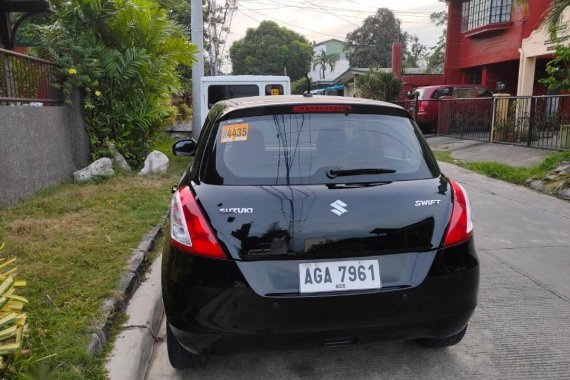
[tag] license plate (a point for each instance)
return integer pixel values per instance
(334, 276)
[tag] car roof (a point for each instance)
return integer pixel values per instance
(244, 78)
(449, 85)
(257, 101)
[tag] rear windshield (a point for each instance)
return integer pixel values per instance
(420, 92)
(304, 148)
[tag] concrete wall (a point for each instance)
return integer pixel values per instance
(39, 147)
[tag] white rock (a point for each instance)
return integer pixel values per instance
(121, 162)
(118, 159)
(103, 167)
(564, 193)
(537, 185)
(156, 162)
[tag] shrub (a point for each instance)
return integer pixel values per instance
(378, 85)
(123, 55)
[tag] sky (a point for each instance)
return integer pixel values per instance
(320, 20)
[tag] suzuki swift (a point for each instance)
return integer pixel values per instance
(321, 218)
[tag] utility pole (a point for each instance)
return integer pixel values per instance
(197, 28)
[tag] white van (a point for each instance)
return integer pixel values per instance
(218, 88)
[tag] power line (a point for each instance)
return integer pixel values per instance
(313, 7)
(288, 3)
(284, 22)
(329, 12)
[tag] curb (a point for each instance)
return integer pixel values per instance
(128, 284)
(134, 345)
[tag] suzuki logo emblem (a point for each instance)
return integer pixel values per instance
(338, 207)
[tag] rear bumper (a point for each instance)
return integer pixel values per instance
(425, 118)
(206, 300)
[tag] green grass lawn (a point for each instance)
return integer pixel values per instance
(72, 243)
(516, 175)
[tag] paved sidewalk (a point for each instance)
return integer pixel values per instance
(478, 151)
(133, 346)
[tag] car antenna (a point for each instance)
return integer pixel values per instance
(308, 93)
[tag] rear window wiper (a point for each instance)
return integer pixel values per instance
(356, 184)
(333, 173)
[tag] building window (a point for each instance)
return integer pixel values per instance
(475, 76)
(478, 13)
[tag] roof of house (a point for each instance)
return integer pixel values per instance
(329, 40)
(349, 74)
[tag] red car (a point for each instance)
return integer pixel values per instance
(428, 101)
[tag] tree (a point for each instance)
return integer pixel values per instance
(436, 57)
(299, 86)
(323, 60)
(271, 50)
(371, 44)
(378, 85)
(218, 15)
(123, 55)
(413, 50)
(218, 18)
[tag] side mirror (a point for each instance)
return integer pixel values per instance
(184, 148)
(411, 94)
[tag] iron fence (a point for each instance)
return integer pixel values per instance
(25, 80)
(466, 118)
(537, 121)
(410, 105)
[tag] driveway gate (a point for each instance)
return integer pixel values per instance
(537, 121)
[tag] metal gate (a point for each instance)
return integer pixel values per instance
(537, 121)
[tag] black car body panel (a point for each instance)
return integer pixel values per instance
(208, 299)
(267, 230)
(258, 222)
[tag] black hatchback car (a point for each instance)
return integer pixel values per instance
(320, 218)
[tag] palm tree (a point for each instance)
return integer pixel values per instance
(323, 60)
(553, 14)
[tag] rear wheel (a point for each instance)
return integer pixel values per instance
(426, 128)
(178, 356)
(443, 342)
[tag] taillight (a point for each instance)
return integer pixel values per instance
(422, 106)
(460, 227)
(190, 231)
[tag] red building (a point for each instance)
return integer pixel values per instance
(492, 41)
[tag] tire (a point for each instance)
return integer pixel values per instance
(425, 128)
(443, 342)
(178, 356)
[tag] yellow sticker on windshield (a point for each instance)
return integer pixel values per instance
(234, 132)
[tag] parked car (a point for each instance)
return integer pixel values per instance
(314, 218)
(428, 101)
